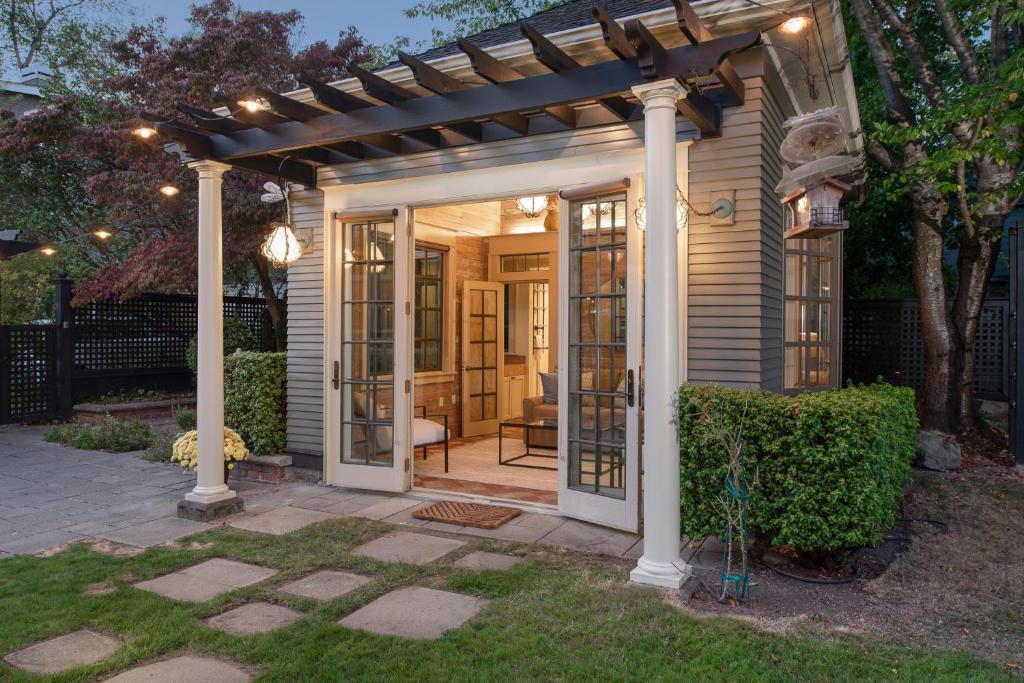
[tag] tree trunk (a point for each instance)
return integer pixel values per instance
(941, 340)
(976, 262)
(273, 303)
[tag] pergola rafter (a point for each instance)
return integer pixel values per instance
(346, 128)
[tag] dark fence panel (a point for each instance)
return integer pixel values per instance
(141, 343)
(28, 386)
(883, 338)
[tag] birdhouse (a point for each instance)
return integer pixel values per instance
(813, 211)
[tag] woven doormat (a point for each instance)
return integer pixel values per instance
(467, 514)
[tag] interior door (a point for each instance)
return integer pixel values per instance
(483, 356)
(369, 370)
(601, 255)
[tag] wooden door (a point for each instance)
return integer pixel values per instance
(483, 356)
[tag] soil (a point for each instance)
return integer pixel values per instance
(955, 583)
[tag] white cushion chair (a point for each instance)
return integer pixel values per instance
(427, 432)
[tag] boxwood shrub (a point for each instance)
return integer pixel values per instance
(254, 399)
(826, 468)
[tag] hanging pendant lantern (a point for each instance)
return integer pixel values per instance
(532, 207)
(282, 247)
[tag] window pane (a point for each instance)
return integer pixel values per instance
(811, 300)
(429, 302)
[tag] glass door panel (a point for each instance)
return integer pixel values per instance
(602, 293)
(483, 364)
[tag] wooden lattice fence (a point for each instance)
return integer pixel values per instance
(883, 338)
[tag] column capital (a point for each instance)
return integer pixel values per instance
(209, 167)
(660, 93)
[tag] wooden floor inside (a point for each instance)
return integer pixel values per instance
(473, 468)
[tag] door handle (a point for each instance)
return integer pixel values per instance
(336, 380)
(630, 389)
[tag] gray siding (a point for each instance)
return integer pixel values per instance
(306, 330)
(735, 281)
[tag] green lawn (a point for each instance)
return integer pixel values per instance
(553, 617)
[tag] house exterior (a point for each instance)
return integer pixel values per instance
(23, 96)
(642, 140)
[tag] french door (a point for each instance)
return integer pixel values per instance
(483, 356)
(601, 255)
(369, 353)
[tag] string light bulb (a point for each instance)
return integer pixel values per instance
(795, 24)
(47, 251)
(169, 190)
(145, 132)
(102, 234)
(251, 105)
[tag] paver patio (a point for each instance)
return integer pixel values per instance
(415, 612)
(184, 668)
(403, 546)
(206, 580)
(64, 652)
(280, 521)
(327, 584)
(252, 618)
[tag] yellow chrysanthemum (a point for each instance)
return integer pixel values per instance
(185, 451)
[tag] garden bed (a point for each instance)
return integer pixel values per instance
(132, 410)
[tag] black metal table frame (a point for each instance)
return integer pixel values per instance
(522, 424)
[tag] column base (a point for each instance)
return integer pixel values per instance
(206, 511)
(662, 574)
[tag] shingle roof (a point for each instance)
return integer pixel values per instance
(562, 18)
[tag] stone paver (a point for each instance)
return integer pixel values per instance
(482, 560)
(415, 612)
(590, 538)
(35, 542)
(403, 546)
(280, 521)
(385, 508)
(327, 584)
(63, 652)
(206, 580)
(189, 668)
(154, 532)
(255, 617)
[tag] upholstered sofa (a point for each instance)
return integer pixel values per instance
(534, 408)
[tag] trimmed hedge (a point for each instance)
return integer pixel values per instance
(254, 399)
(237, 335)
(829, 465)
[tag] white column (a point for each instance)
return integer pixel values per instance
(660, 564)
(210, 487)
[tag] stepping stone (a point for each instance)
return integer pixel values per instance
(206, 580)
(590, 538)
(281, 521)
(63, 652)
(184, 668)
(255, 617)
(154, 532)
(403, 546)
(422, 613)
(478, 560)
(325, 585)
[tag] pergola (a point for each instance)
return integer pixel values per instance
(645, 80)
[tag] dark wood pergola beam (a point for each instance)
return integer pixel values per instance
(440, 83)
(556, 60)
(496, 72)
(209, 120)
(286, 106)
(697, 32)
(614, 37)
(528, 94)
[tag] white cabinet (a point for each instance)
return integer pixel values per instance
(512, 396)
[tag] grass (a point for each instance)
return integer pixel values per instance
(109, 434)
(554, 617)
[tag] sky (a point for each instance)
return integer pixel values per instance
(379, 21)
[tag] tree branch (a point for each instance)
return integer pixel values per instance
(899, 109)
(958, 40)
(919, 60)
(961, 195)
(881, 154)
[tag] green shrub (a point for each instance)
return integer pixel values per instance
(110, 434)
(237, 335)
(829, 465)
(185, 418)
(160, 448)
(254, 399)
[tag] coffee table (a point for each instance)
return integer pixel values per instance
(527, 426)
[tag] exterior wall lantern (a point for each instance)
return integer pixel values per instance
(813, 211)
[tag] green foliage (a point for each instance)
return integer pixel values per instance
(185, 418)
(830, 465)
(254, 399)
(161, 447)
(27, 282)
(467, 17)
(237, 335)
(110, 434)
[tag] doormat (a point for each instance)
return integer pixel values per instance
(467, 514)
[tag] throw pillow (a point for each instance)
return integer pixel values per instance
(549, 382)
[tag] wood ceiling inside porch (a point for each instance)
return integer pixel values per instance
(291, 138)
